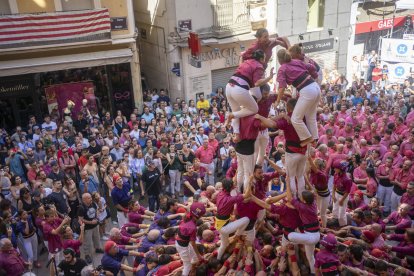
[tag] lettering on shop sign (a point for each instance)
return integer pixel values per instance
(230, 55)
(10, 86)
(119, 23)
(318, 45)
(16, 88)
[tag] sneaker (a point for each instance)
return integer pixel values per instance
(114, 222)
(104, 238)
(99, 251)
(88, 259)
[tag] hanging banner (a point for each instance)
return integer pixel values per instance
(58, 96)
(398, 72)
(397, 50)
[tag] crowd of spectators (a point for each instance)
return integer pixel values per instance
(118, 185)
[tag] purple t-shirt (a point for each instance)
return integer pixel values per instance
(54, 241)
(308, 213)
(187, 229)
(288, 217)
(74, 244)
(342, 183)
(289, 72)
(326, 261)
(251, 70)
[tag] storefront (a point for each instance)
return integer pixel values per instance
(324, 53)
(218, 64)
(42, 85)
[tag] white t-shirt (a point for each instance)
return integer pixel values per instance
(224, 152)
(51, 126)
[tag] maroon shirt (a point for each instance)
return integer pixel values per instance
(187, 229)
(251, 70)
(289, 218)
(248, 209)
(54, 241)
(225, 203)
(319, 180)
(265, 47)
(342, 183)
(308, 214)
(12, 262)
(249, 128)
(74, 244)
(290, 71)
(410, 201)
(260, 187)
(327, 261)
(292, 138)
(192, 179)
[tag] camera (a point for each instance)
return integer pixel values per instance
(99, 269)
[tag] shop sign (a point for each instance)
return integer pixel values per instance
(318, 45)
(397, 50)
(119, 23)
(184, 25)
(379, 25)
(16, 86)
(230, 55)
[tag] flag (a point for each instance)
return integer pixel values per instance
(22, 30)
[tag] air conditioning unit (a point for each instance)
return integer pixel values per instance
(258, 14)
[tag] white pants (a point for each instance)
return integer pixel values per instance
(295, 169)
(237, 226)
(309, 240)
(242, 104)
(187, 255)
(30, 246)
(122, 219)
(260, 146)
(245, 167)
(307, 106)
(384, 197)
(91, 236)
(323, 204)
(175, 181)
(339, 212)
(210, 172)
(395, 201)
(256, 92)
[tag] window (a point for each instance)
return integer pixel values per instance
(4, 7)
(76, 5)
(316, 13)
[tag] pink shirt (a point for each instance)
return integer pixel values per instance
(382, 150)
(289, 72)
(249, 128)
(360, 174)
(265, 47)
(324, 139)
(206, 155)
(397, 160)
(252, 70)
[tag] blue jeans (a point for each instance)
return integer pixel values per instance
(152, 201)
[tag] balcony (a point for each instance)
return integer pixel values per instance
(52, 29)
(230, 19)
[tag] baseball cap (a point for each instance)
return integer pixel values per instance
(197, 209)
(53, 163)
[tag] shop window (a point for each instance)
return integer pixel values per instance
(74, 5)
(316, 13)
(4, 7)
